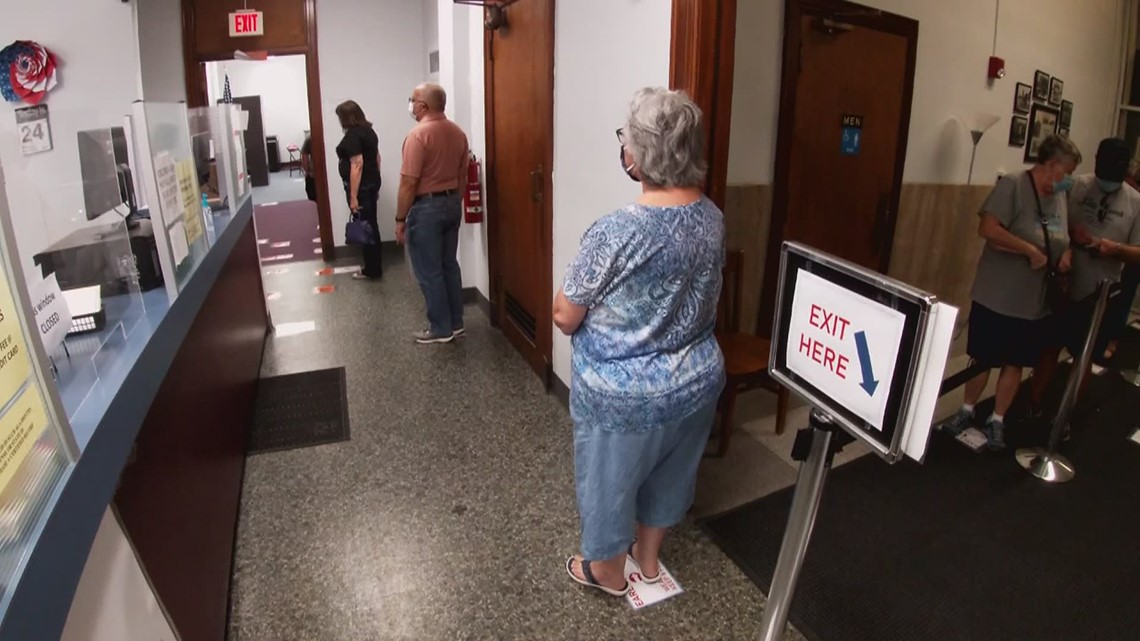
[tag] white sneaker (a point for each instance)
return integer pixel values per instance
(459, 332)
(427, 338)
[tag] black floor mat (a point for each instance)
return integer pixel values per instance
(300, 410)
(968, 546)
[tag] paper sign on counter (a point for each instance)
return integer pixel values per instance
(167, 180)
(15, 367)
(191, 200)
(178, 244)
(20, 427)
(53, 316)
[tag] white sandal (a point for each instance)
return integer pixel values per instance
(590, 581)
(644, 579)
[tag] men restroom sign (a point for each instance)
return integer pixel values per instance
(845, 345)
(851, 129)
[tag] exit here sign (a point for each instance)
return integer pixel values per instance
(246, 23)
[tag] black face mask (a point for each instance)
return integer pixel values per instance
(628, 169)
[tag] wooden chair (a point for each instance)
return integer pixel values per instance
(745, 355)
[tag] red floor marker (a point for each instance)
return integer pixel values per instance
(324, 289)
(327, 271)
(273, 296)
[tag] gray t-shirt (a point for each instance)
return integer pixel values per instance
(1005, 283)
(1114, 216)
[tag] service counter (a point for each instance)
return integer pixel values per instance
(160, 431)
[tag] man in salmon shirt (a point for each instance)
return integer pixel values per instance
(429, 210)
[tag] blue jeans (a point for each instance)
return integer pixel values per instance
(433, 245)
(645, 476)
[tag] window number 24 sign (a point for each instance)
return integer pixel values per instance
(33, 129)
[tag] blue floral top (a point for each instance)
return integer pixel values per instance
(645, 354)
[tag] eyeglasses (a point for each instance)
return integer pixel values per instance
(620, 135)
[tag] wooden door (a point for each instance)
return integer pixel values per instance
(844, 117)
(520, 152)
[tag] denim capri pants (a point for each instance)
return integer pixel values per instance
(646, 476)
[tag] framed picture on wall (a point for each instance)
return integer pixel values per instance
(1066, 114)
(1022, 98)
(1056, 89)
(1063, 131)
(1018, 130)
(1041, 86)
(1042, 123)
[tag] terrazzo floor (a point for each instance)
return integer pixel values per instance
(450, 512)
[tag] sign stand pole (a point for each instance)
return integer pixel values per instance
(1044, 462)
(801, 520)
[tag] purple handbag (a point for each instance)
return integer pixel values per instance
(358, 231)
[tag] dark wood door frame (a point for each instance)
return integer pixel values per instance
(701, 63)
(544, 324)
(854, 14)
(702, 57)
(196, 97)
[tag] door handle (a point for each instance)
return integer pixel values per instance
(536, 185)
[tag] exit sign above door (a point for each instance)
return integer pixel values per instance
(246, 23)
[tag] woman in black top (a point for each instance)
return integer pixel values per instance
(359, 157)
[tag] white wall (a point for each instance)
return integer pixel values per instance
(99, 78)
(160, 48)
(281, 83)
(370, 53)
(604, 50)
(1079, 45)
(431, 10)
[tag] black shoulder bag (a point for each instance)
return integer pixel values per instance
(1056, 283)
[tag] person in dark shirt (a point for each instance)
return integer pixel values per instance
(307, 169)
(359, 156)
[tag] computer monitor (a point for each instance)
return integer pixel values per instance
(104, 165)
(101, 189)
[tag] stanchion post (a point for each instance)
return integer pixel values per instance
(1044, 462)
(801, 520)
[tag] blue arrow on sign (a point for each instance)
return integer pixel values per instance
(869, 383)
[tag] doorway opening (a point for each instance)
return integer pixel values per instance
(273, 95)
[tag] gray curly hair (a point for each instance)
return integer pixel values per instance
(666, 138)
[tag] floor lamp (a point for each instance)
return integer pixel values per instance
(982, 124)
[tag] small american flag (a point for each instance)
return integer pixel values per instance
(227, 95)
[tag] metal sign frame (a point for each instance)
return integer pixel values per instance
(914, 304)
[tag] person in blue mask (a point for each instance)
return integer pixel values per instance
(1104, 224)
(1024, 222)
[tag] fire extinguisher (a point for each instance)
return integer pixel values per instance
(473, 194)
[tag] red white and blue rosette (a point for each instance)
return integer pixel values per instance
(28, 71)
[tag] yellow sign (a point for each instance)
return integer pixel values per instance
(20, 428)
(191, 200)
(15, 365)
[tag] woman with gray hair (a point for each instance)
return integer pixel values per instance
(1025, 223)
(640, 301)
